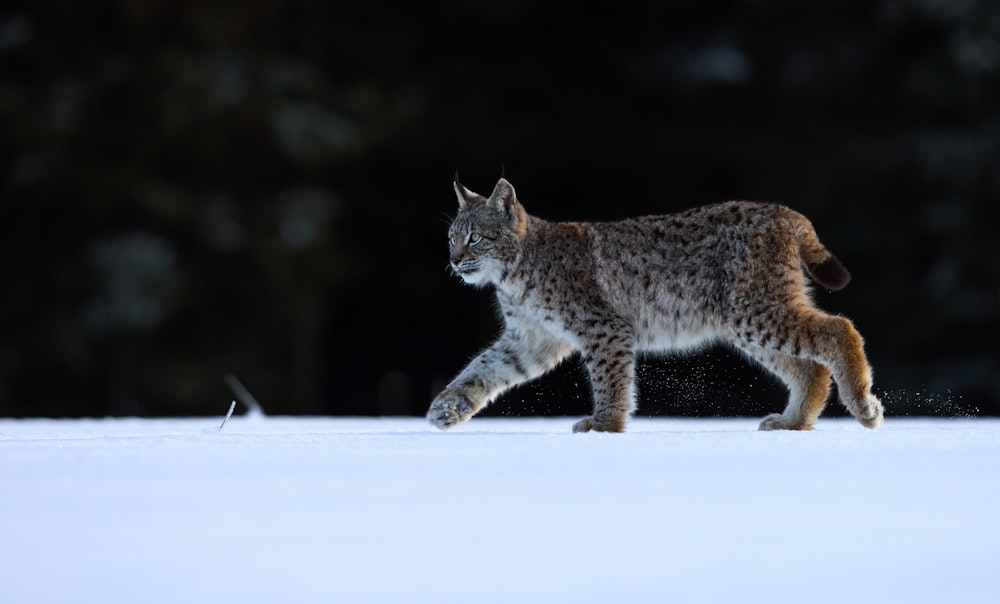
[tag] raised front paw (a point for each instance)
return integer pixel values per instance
(450, 408)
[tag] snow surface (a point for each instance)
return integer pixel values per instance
(498, 510)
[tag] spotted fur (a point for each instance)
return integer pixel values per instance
(731, 272)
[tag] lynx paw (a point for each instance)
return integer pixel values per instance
(870, 412)
(589, 423)
(777, 421)
(449, 409)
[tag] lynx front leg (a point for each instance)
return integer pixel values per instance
(612, 378)
(513, 359)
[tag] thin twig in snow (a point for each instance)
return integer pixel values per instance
(228, 415)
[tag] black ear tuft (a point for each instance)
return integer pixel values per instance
(465, 196)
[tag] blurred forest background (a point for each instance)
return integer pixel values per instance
(196, 188)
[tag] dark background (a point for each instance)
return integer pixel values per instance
(191, 188)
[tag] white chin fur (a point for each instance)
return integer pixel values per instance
(473, 278)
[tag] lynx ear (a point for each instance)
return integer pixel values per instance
(464, 195)
(503, 194)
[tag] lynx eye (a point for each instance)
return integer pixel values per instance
(474, 238)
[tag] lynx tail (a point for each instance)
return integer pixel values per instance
(824, 268)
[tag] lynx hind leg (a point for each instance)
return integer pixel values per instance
(833, 342)
(852, 372)
(808, 386)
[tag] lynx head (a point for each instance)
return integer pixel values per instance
(486, 235)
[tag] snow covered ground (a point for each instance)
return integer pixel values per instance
(498, 510)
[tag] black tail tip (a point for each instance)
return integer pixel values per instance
(831, 274)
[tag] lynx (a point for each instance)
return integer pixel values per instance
(729, 273)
